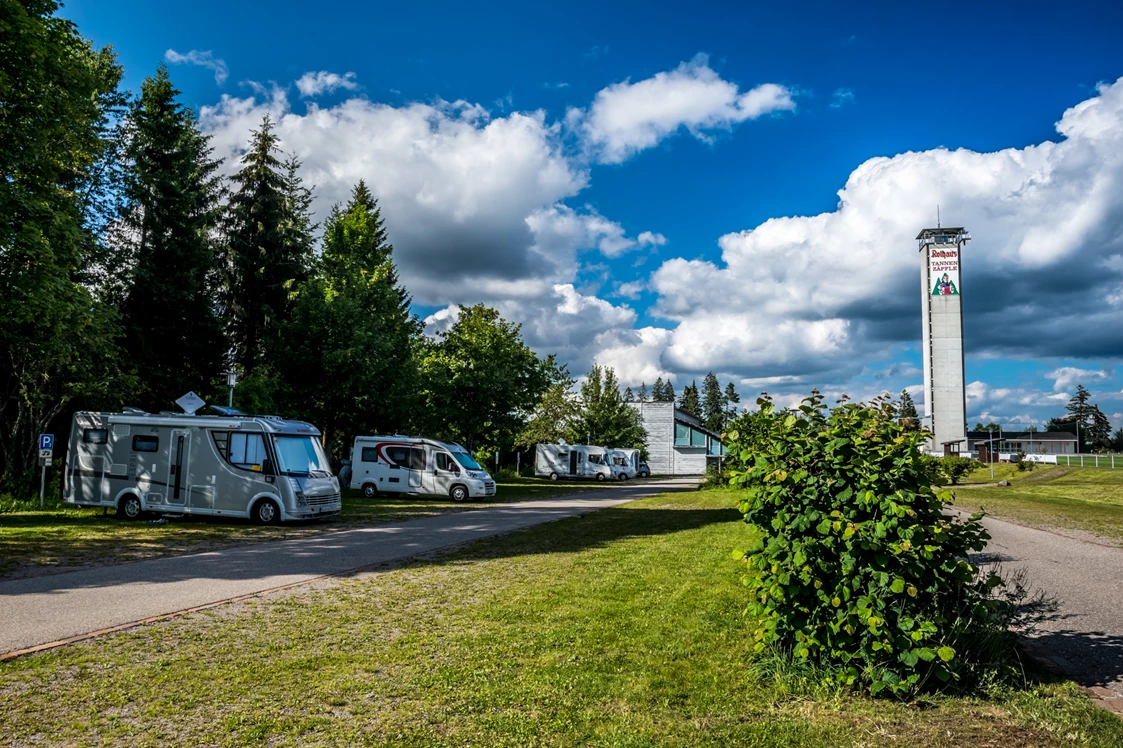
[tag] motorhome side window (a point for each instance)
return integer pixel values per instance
(370, 454)
(245, 451)
(95, 436)
(399, 456)
(146, 443)
(444, 462)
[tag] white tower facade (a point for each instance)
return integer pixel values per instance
(945, 393)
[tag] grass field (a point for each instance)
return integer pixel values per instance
(1084, 499)
(620, 628)
(62, 538)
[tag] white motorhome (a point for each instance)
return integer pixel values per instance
(232, 465)
(410, 464)
(625, 462)
(576, 461)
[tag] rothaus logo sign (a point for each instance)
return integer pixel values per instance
(943, 271)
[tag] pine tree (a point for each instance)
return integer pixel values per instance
(689, 402)
(1099, 430)
(658, 393)
(628, 396)
(349, 352)
(713, 403)
(170, 208)
(668, 392)
(642, 396)
(906, 412)
(732, 399)
(269, 247)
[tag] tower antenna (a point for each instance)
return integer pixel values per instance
(937, 215)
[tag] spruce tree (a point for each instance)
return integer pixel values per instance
(658, 392)
(269, 247)
(165, 235)
(642, 396)
(689, 402)
(906, 412)
(732, 399)
(713, 403)
(349, 351)
(628, 396)
(668, 392)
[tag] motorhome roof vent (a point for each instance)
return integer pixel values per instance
(270, 418)
(223, 410)
(133, 411)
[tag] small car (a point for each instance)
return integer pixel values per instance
(643, 471)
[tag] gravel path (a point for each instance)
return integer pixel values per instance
(42, 610)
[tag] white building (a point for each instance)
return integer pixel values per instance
(945, 397)
(677, 442)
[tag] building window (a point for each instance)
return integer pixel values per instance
(95, 436)
(682, 435)
(146, 443)
(697, 438)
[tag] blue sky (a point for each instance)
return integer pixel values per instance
(558, 90)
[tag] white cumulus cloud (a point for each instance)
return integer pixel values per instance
(314, 84)
(204, 59)
(628, 117)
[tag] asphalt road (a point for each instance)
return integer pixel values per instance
(45, 609)
(1085, 636)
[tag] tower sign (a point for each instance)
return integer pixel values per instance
(945, 395)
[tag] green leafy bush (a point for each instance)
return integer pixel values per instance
(1022, 463)
(854, 567)
(955, 467)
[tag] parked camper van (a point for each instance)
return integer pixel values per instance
(410, 464)
(577, 461)
(232, 465)
(624, 462)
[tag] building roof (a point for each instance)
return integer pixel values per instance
(1013, 436)
(925, 233)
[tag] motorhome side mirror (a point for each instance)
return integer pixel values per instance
(266, 466)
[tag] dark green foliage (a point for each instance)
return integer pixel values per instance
(713, 404)
(479, 380)
(668, 392)
(657, 391)
(906, 412)
(556, 415)
(348, 355)
(955, 467)
(732, 399)
(269, 249)
(164, 241)
(641, 396)
(1023, 464)
(606, 419)
(853, 565)
(689, 402)
(58, 95)
(1086, 420)
(987, 427)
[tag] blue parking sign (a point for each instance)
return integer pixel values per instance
(46, 441)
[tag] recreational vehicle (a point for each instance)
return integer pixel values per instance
(624, 462)
(410, 464)
(577, 461)
(233, 465)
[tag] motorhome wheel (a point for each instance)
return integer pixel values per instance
(600, 476)
(265, 512)
(129, 507)
(458, 493)
(370, 490)
(553, 476)
(623, 476)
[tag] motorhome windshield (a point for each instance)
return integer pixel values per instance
(466, 460)
(599, 459)
(301, 455)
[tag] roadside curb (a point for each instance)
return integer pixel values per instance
(1100, 696)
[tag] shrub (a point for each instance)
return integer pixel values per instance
(1022, 463)
(853, 566)
(955, 467)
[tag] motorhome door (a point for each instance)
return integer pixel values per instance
(416, 466)
(573, 462)
(179, 460)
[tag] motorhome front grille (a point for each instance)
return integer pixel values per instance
(331, 498)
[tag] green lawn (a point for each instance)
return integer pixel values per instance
(1083, 499)
(620, 628)
(62, 538)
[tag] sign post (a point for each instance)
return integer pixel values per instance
(46, 449)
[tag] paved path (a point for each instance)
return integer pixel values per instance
(1085, 636)
(45, 609)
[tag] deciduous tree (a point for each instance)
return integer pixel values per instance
(606, 419)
